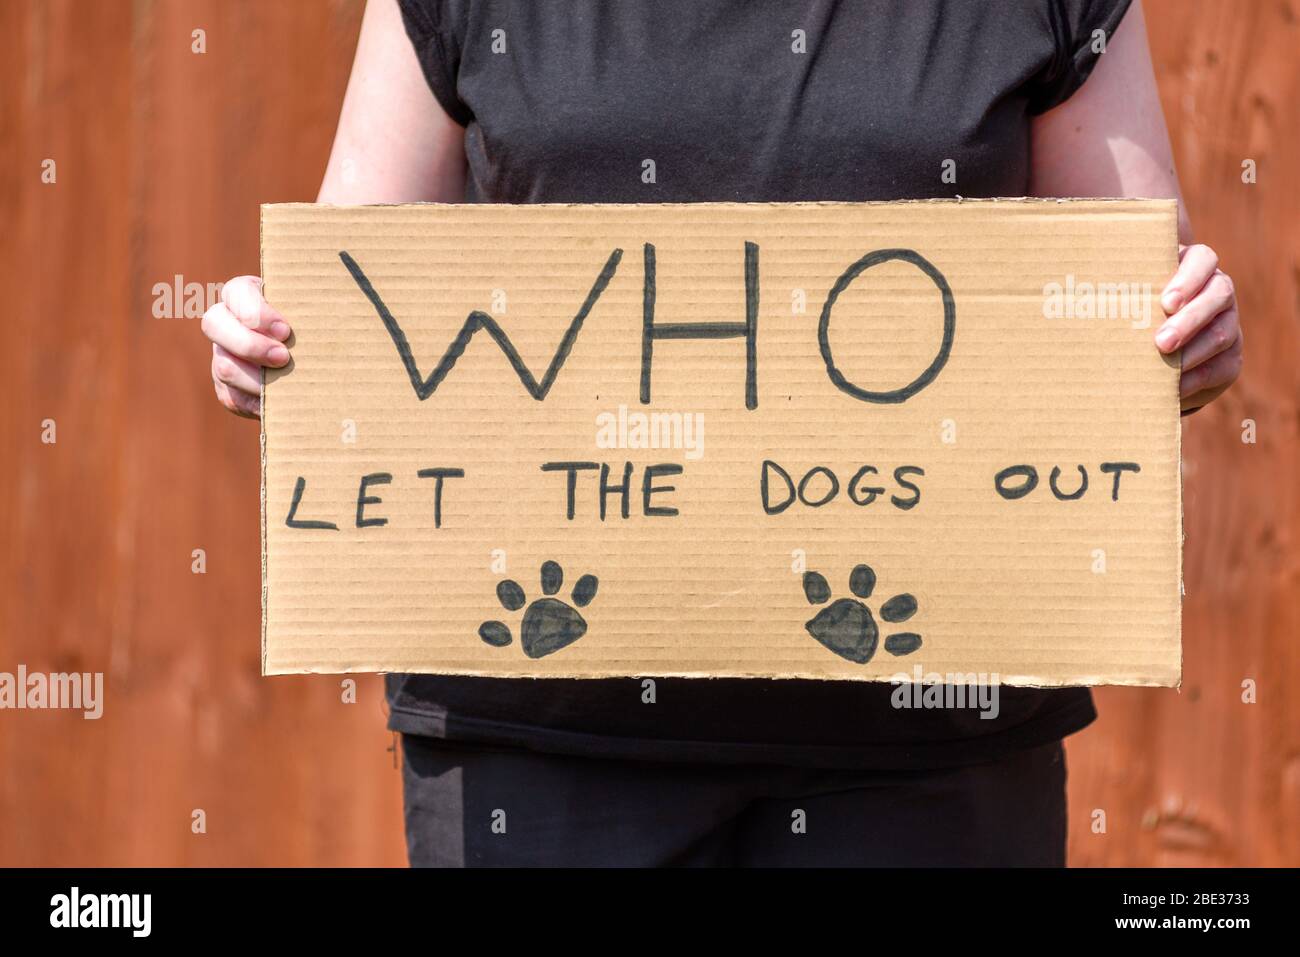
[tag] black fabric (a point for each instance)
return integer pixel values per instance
(581, 94)
(887, 90)
(499, 807)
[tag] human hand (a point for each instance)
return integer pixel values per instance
(247, 334)
(1201, 304)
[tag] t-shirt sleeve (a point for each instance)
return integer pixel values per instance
(431, 25)
(1074, 25)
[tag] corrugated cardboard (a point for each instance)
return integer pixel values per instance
(913, 351)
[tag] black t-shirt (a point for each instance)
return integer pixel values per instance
(747, 101)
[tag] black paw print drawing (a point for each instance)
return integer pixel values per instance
(549, 624)
(847, 627)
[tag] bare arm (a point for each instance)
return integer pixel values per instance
(1109, 139)
(394, 144)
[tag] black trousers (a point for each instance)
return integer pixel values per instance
(473, 806)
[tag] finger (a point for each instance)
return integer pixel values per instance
(1219, 336)
(220, 325)
(240, 403)
(236, 372)
(1213, 298)
(1195, 403)
(1221, 370)
(1195, 266)
(243, 297)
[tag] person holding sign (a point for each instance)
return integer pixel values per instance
(732, 100)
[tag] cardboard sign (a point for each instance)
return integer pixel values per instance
(851, 441)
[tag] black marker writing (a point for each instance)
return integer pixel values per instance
(1083, 484)
(1006, 486)
(438, 474)
(374, 478)
(1116, 468)
(572, 468)
(1027, 472)
(832, 489)
(858, 493)
(293, 522)
(748, 330)
(907, 503)
(623, 489)
(425, 387)
(648, 488)
(945, 346)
